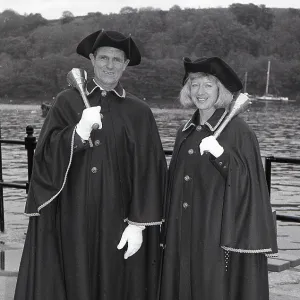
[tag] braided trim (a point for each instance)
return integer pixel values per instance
(271, 255)
(143, 224)
(246, 250)
(64, 182)
(32, 215)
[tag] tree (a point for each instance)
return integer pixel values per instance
(175, 8)
(128, 10)
(10, 22)
(17, 47)
(66, 17)
(33, 21)
(252, 15)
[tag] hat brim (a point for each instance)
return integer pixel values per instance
(214, 66)
(113, 39)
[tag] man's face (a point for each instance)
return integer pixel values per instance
(109, 64)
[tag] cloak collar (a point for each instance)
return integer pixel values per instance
(212, 123)
(93, 85)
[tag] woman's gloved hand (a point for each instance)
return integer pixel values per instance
(133, 235)
(89, 117)
(210, 144)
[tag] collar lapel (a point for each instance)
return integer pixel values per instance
(92, 86)
(215, 120)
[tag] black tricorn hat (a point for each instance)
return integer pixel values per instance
(216, 67)
(115, 39)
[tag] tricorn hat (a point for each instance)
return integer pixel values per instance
(115, 39)
(216, 67)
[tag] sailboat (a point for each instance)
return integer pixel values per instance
(267, 96)
(245, 87)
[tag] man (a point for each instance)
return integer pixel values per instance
(93, 191)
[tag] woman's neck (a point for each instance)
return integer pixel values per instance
(205, 115)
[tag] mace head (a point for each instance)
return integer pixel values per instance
(77, 78)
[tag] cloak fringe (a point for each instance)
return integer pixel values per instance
(143, 224)
(246, 250)
(64, 182)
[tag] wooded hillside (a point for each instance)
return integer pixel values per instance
(36, 54)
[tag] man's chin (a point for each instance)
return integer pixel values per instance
(107, 82)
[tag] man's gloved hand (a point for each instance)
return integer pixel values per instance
(89, 117)
(133, 235)
(211, 145)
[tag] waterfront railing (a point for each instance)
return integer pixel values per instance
(30, 144)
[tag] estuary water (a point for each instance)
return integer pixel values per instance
(276, 124)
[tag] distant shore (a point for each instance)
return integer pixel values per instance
(39, 101)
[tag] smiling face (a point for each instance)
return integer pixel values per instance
(109, 64)
(204, 92)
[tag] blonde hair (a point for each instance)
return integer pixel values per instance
(224, 95)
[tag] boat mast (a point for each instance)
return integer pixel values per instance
(245, 82)
(268, 78)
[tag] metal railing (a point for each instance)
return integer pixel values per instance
(30, 144)
(268, 172)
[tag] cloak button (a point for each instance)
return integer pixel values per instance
(187, 178)
(220, 163)
(97, 143)
(198, 128)
(185, 205)
(191, 151)
(103, 93)
(94, 170)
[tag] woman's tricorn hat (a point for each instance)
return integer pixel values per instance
(115, 39)
(216, 67)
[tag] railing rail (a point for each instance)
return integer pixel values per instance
(268, 166)
(268, 172)
(30, 145)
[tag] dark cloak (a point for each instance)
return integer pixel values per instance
(219, 224)
(81, 198)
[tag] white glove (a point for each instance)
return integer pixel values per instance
(133, 235)
(89, 117)
(211, 145)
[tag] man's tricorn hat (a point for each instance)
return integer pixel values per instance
(216, 67)
(115, 39)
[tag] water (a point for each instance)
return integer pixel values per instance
(276, 124)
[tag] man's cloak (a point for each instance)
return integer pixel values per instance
(82, 196)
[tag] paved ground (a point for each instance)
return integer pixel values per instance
(7, 287)
(283, 285)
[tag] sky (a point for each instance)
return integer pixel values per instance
(52, 9)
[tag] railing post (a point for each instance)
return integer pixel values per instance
(268, 161)
(30, 145)
(1, 190)
(2, 260)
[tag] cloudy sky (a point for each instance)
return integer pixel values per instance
(52, 9)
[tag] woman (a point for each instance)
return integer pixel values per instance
(219, 226)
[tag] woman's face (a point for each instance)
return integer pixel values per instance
(204, 92)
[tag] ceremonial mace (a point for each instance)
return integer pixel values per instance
(237, 106)
(77, 79)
